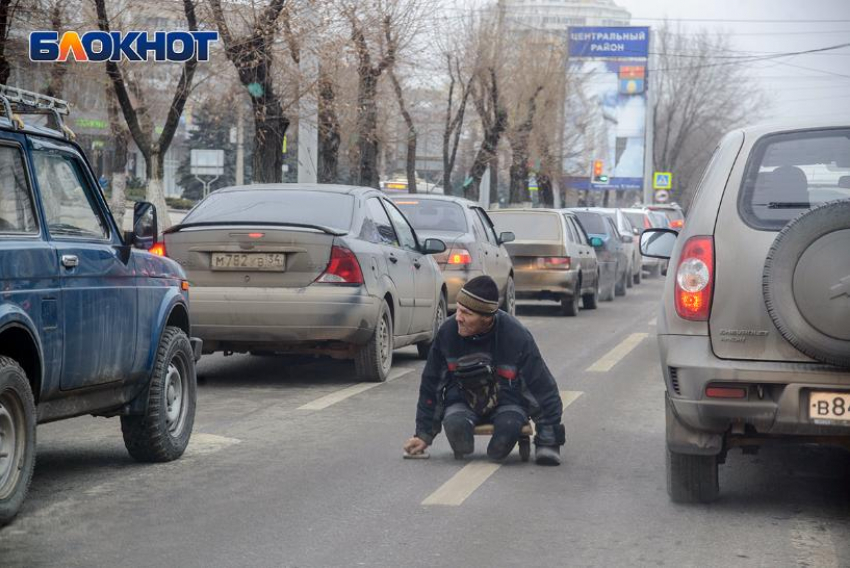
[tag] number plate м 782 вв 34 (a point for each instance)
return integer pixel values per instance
(272, 262)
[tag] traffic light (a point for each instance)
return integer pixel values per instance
(597, 175)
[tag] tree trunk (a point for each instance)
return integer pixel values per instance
(411, 134)
(329, 137)
(270, 127)
(118, 166)
(367, 129)
(155, 190)
(57, 72)
(544, 185)
(6, 13)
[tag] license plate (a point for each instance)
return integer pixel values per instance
(829, 406)
(272, 262)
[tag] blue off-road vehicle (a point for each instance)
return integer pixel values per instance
(90, 322)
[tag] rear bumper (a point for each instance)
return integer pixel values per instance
(268, 317)
(544, 284)
(777, 401)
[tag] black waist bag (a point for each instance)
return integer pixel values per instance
(475, 375)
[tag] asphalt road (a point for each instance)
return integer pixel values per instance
(296, 465)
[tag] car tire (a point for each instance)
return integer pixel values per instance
(692, 478)
(628, 277)
(569, 304)
(812, 314)
(424, 347)
(510, 297)
(373, 361)
(591, 301)
(637, 276)
(654, 271)
(163, 432)
(620, 288)
(17, 438)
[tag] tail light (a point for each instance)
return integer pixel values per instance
(647, 224)
(459, 256)
(677, 223)
(158, 249)
(343, 268)
(554, 262)
(695, 279)
(713, 391)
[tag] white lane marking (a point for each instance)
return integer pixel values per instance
(338, 396)
(813, 543)
(607, 362)
(464, 483)
(399, 373)
(653, 321)
(201, 444)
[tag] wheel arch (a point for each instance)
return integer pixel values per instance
(19, 343)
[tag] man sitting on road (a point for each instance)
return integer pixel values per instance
(484, 366)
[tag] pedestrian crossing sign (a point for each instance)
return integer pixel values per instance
(662, 180)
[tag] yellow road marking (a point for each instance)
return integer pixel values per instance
(464, 483)
(607, 362)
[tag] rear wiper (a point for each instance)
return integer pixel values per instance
(327, 230)
(788, 205)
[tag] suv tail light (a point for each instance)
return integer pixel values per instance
(554, 262)
(343, 268)
(695, 279)
(158, 249)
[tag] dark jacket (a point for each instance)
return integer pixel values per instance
(522, 374)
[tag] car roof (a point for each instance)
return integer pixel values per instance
(434, 197)
(528, 210)
(793, 124)
(322, 187)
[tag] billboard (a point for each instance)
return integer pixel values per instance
(609, 68)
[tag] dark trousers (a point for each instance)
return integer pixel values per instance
(460, 421)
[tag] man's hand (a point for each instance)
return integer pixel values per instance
(415, 446)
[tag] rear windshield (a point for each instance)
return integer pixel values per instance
(672, 214)
(591, 222)
(790, 173)
(433, 215)
(637, 220)
(332, 210)
(528, 226)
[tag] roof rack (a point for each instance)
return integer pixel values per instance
(15, 100)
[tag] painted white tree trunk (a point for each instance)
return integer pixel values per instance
(156, 193)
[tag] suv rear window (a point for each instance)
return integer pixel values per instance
(529, 226)
(591, 222)
(323, 208)
(790, 173)
(433, 215)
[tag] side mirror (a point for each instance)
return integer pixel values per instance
(658, 243)
(433, 246)
(506, 237)
(596, 242)
(145, 226)
(627, 239)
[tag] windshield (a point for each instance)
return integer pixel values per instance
(326, 209)
(591, 222)
(528, 226)
(433, 215)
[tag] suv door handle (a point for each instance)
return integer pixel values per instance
(70, 261)
(393, 259)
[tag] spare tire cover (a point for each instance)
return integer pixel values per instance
(806, 283)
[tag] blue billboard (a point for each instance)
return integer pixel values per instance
(621, 42)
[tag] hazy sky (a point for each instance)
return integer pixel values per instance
(811, 85)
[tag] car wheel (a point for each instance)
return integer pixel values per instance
(424, 347)
(590, 301)
(569, 304)
(375, 359)
(654, 271)
(637, 276)
(628, 277)
(692, 479)
(17, 438)
(510, 297)
(620, 288)
(163, 432)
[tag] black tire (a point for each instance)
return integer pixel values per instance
(424, 347)
(510, 297)
(17, 438)
(620, 288)
(373, 361)
(692, 479)
(654, 271)
(628, 277)
(591, 301)
(163, 432)
(525, 448)
(569, 304)
(637, 276)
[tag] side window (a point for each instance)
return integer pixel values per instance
(377, 227)
(405, 232)
(582, 236)
(612, 228)
(488, 227)
(571, 232)
(478, 226)
(17, 214)
(69, 207)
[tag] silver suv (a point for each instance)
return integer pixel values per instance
(754, 327)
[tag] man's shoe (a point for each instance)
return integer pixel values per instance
(547, 455)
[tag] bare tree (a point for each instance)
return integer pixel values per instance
(57, 72)
(698, 97)
(494, 121)
(138, 116)
(454, 118)
(411, 133)
(7, 14)
(253, 58)
(329, 129)
(519, 138)
(120, 141)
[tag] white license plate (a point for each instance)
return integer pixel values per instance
(829, 406)
(272, 262)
